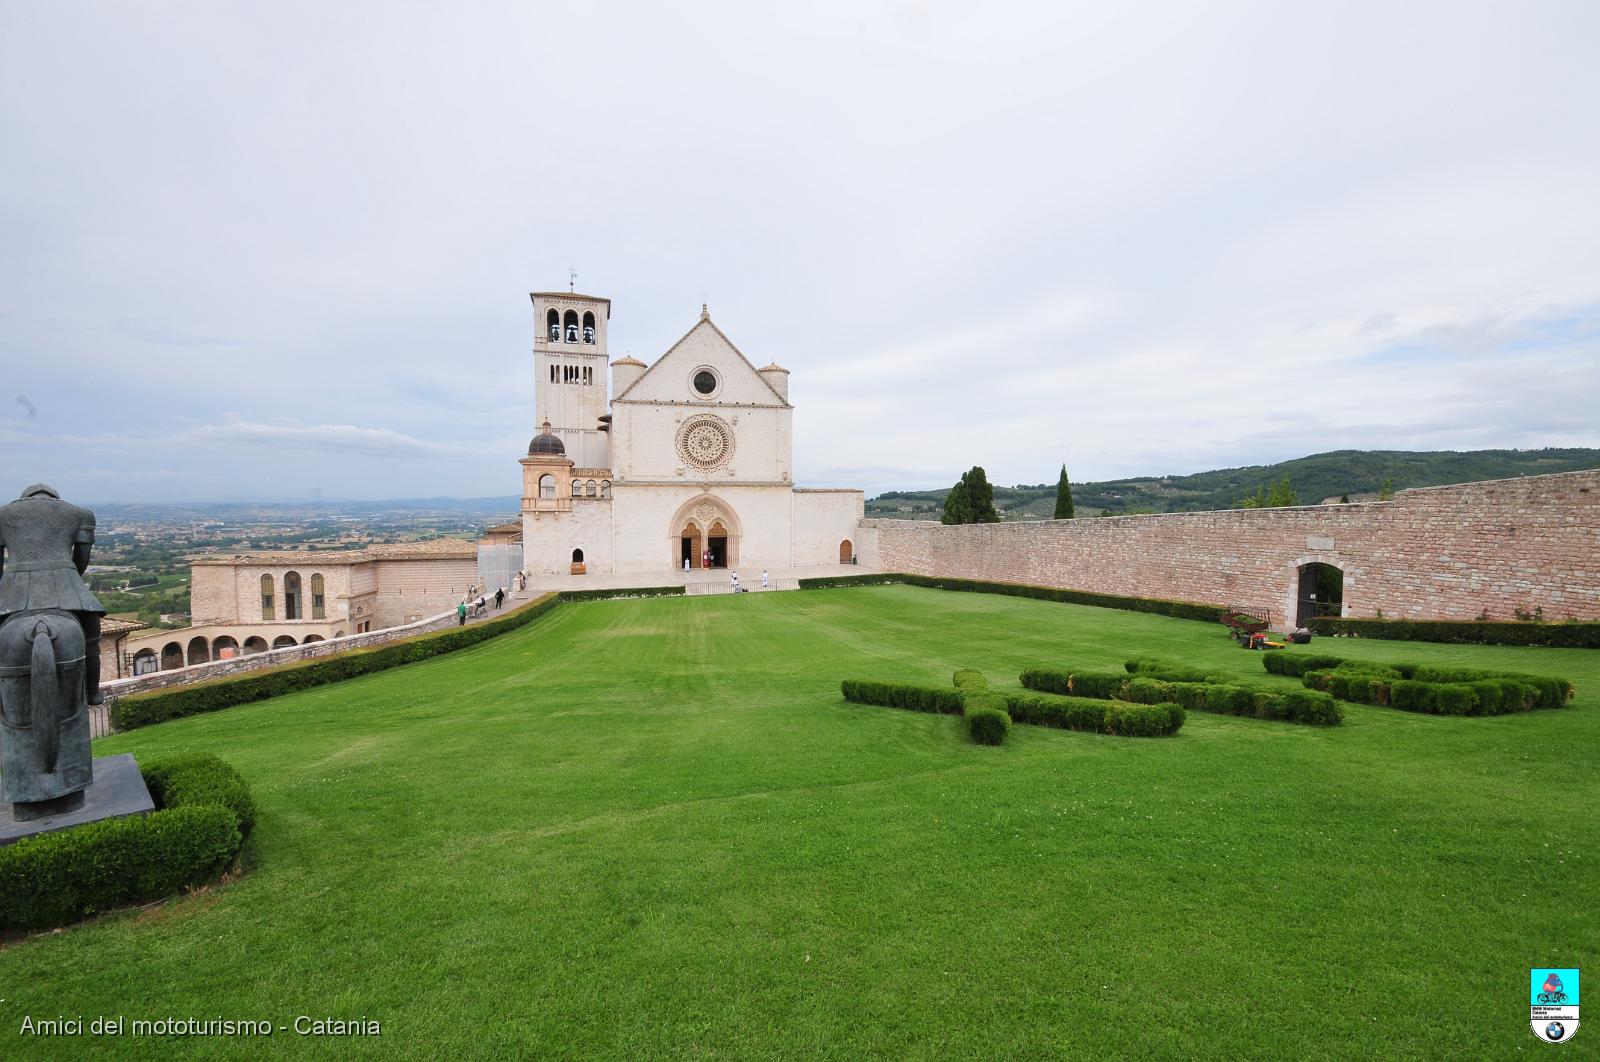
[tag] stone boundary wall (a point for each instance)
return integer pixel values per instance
(273, 657)
(1455, 552)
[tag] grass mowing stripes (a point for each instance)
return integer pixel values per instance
(652, 828)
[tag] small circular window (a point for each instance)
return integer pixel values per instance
(705, 381)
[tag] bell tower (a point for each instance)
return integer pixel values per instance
(570, 372)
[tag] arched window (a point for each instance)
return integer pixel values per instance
(588, 327)
(571, 322)
(254, 645)
(283, 641)
(553, 323)
(144, 662)
(577, 489)
(267, 610)
(577, 556)
(605, 488)
(554, 375)
(319, 604)
(291, 596)
(592, 490)
(547, 486)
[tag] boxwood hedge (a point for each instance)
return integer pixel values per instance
(204, 811)
(1297, 706)
(988, 721)
(903, 695)
(1465, 632)
(1421, 687)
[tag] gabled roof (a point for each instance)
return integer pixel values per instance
(704, 322)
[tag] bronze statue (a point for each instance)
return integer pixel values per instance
(49, 652)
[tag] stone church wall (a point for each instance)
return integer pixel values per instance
(1454, 552)
(823, 521)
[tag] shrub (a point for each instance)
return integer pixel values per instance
(1311, 707)
(200, 778)
(903, 695)
(1067, 713)
(987, 718)
(143, 709)
(1169, 672)
(1464, 632)
(970, 679)
(204, 809)
(1147, 691)
(1549, 692)
(1143, 720)
(828, 582)
(1439, 690)
(1296, 664)
(1225, 698)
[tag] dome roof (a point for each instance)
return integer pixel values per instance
(774, 367)
(546, 444)
(630, 361)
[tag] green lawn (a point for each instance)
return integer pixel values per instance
(653, 829)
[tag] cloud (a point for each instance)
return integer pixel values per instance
(1139, 240)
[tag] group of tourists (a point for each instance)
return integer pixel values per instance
(475, 607)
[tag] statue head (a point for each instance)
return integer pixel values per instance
(40, 489)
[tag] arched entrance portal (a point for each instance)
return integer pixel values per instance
(690, 545)
(847, 552)
(706, 533)
(1320, 592)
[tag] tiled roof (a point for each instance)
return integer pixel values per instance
(432, 548)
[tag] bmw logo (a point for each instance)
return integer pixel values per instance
(1555, 1030)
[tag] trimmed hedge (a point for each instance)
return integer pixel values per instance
(904, 695)
(988, 721)
(1472, 691)
(1295, 664)
(1095, 716)
(827, 582)
(204, 812)
(1296, 706)
(1464, 632)
(157, 706)
(1162, 669)
(970, 680)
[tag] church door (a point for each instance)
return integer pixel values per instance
(689, 539)
(717, 543)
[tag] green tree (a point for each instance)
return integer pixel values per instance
(1344, 499)
(971, 500)
(1282, 493)
(1386, 491)
(1063, 496)
(957, 505)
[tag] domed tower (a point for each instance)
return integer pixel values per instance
(546, 474)
(625, 372)
(777, 378)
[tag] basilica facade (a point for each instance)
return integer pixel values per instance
(683, 463)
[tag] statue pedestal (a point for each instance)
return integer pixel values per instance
(118, 789)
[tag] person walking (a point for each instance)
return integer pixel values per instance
(461, 614)
(499, 597)
(764, 584)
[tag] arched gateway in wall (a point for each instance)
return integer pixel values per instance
(705, 533)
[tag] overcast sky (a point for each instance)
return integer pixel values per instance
(277, 250)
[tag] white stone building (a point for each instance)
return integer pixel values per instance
(690, 460)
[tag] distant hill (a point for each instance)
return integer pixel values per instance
(1316, 478)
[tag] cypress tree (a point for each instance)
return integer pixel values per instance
(1386, 491)
(957, 504)
(981, 496)
(1063, 496)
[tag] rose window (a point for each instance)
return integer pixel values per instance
(705, 442)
